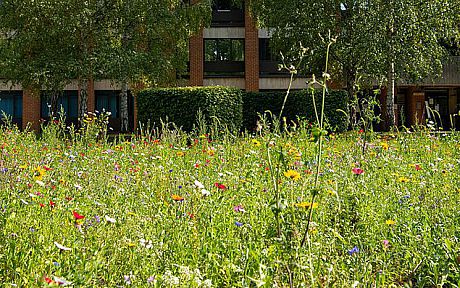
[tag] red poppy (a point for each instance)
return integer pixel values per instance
(49, 280)
(77, 216)
(220, 186)
(357, 171)
(47, 168)
(52, 204)
(42, 205)
(418, 167)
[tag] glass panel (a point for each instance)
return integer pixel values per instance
(108, 101)
(72, 111)
(18, 106)
(237, 50)
(225, 49)
(210, 50)
(7, 105)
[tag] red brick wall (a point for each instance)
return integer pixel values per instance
(196, 58)
(251, 53)
(31, 109)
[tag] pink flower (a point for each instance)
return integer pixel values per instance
(386, 244)
(239, 208)
(357, 171)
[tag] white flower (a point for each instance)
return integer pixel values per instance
(146, 243)
(205, 192)
(62, 247)
(199, 185)
(61, 281)
(40, 183)
(110, 220)
(207, 283)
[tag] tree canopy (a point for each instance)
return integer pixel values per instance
(47, 43)
(372, 36)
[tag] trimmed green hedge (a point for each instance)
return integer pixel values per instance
(299, 103)
(235, 108)
(181, 106)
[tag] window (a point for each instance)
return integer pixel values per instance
(224, 57)
(225, 5)
(11, 103)
(67, 100)
(108, 100)
(224, 50)
(266, 51)
(269, 60)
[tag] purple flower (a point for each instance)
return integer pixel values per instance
(127, 279)
(353, 250)
(98, 219)
(239, 224)
(151, 279)
(4, 170)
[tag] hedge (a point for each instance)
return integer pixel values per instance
(235, 108)
(299, 104)
(181, 106)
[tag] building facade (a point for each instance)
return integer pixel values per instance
(234, 52)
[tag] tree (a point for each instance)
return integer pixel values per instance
(31, 50)
(47, 43)
(377, 41)
(149, 42)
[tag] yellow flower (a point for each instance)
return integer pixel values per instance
(180, 154)
(403, 179)
(307, 205)
(390, 222)
(294, 175)
(24, 166)
(255, 142)
(39, 172)
(384, 145)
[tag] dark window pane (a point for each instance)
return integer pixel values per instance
(107, 100)
(210, 50)
(7, 105)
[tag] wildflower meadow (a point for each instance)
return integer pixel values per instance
(195, 210)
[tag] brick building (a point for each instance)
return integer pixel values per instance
(233, 52)
(253, 67)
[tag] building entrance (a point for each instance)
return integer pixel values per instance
(438, 111)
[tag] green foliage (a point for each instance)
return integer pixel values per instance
(299, 105)
(377, 41)
(182, 106)
(152, 218)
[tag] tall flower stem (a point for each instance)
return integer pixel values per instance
(320, 142)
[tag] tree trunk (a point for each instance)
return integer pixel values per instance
(391, 96)
(83, 103)
(124, 107)
(352, 97)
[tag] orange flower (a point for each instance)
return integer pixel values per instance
(177, 197)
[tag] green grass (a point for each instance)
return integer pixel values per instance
(205, 240)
